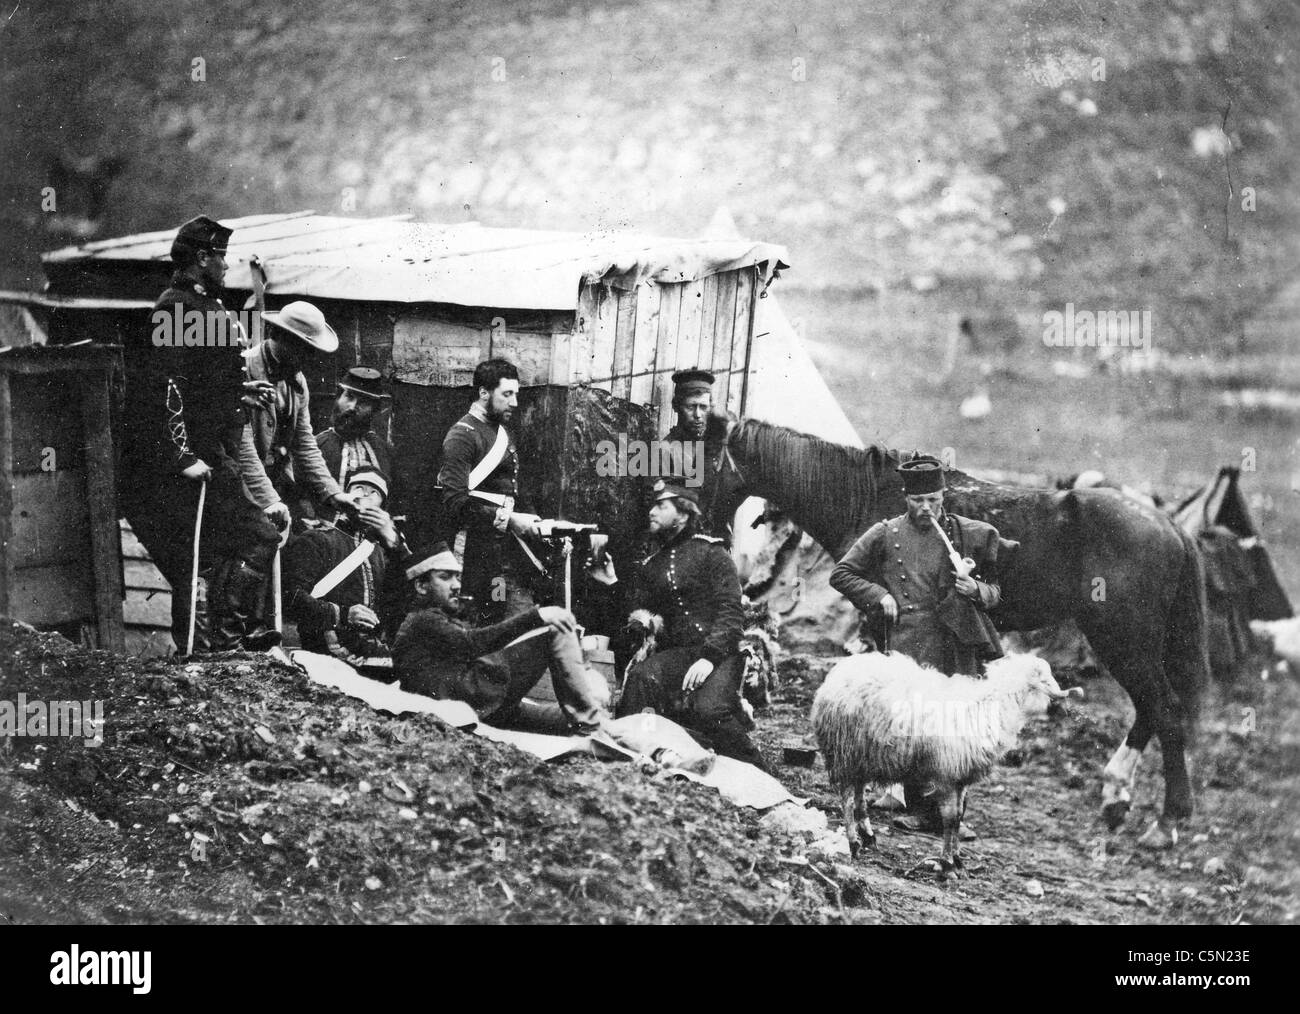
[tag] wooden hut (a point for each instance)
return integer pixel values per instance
(59, 564)
(597, 323)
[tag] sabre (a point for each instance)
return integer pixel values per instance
(194, 572)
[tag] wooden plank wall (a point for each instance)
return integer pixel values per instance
(630, 342)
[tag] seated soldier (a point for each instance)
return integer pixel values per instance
(489, 668)
(338, 592)
(691, 587)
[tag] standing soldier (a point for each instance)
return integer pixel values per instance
(697, 426)
(479, 480)
(688, 589)
(288, 464)
(900, 576)
(184, 425)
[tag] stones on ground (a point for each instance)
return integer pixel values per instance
(1034, 889)
(791, 818)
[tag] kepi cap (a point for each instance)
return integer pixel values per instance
(436, 557)
(370, 476)
(364, 381)
(693, 382)
(666, 489)
(202, 233)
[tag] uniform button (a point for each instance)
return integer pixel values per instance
(897, 546)
(906, 596)
(902, 577)
(900, 559)
(911, 607)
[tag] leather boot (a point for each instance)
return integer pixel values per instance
(260, 635)
(227, 610)
(731, 739)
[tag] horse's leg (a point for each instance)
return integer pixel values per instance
(1132, 655)
(1120, 772)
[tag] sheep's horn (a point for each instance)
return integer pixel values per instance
(1061, 695)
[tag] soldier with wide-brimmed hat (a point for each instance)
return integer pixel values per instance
(184, 426)
(289, 465)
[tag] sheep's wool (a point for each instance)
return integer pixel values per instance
(886, 718)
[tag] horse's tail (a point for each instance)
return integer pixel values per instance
(1187, 657)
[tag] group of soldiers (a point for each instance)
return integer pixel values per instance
(231, 426)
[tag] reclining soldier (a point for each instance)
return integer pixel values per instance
(490, 668)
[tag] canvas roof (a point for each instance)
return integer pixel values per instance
(397, 260)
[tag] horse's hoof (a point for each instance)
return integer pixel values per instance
(956, 861)
(1159, 837)
(869, 841)
(1114, 814)
(854, 848)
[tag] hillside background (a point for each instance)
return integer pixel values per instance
(926, 164)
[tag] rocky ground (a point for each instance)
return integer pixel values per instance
(235, 791)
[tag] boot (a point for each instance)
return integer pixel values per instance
(228, 607)
(261, 635)
(731, 739)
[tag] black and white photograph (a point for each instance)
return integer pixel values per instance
(648, 463)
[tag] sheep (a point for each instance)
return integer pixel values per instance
(885, 718)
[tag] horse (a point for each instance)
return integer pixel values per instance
(1130, 577)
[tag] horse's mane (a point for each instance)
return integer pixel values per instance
(824, 480)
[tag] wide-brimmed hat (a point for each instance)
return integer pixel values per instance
(364, 381)
(304, 321)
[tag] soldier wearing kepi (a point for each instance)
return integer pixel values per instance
(185, 424)
(340, 586)
(491, 668)
(901, 577)
(698, 426)
(689, 590)
(479, 480)
(351, 443)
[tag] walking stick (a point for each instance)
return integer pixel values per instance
(194, 572)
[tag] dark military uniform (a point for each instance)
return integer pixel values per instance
(910, 562)
(691, 582)
(345, 455)
(496, 570)
(375, 583)
(714, 519)
(184, 404)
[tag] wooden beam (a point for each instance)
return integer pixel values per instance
(645, 344)
(688, 342)
(604, 339)
(624, 342)
(724, 329)
(101, 504)
(670, 309)
(6, 497)
(742, 332)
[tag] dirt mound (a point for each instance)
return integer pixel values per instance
(237, 791)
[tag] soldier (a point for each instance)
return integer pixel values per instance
(690, 590)
(490, 668)
(350, 443)
(288, 463)
(479, 480)
(350, 617)
(697, 425)
(900, 577)
(185, 424)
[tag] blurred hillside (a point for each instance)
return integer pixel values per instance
(1009, 155)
